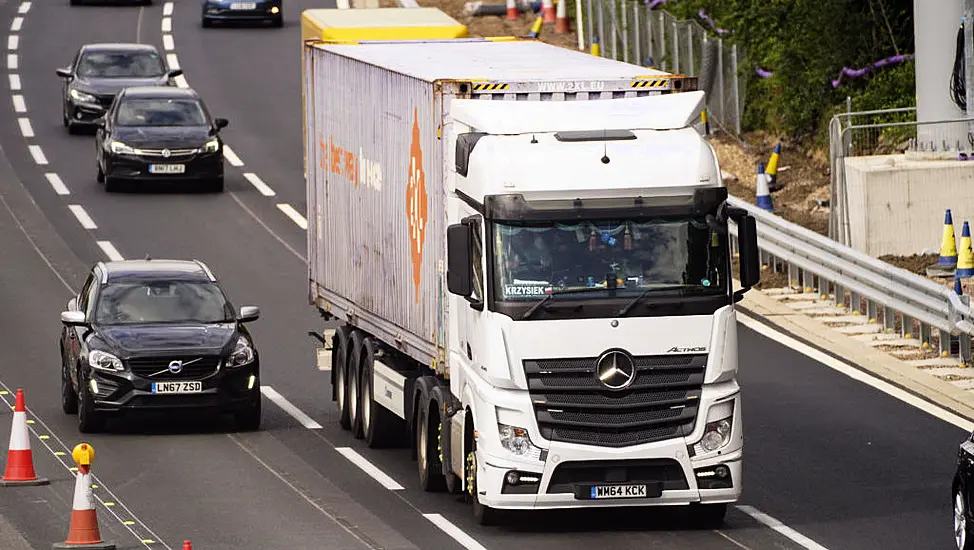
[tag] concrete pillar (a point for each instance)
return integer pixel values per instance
(935, 28)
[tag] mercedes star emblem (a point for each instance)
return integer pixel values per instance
(615, 370)
(166, 153)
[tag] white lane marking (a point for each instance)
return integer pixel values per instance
(167, 42)
(83, 217)
(458, 535)
(14, 82)
(369, 468)
(12, 61)
(19, 104)
(181, 81)
(109, 249)
(261, 223)
(289, 408)
(57, 184)
(231, 157)
(295, 216)
(172, 60)
(38, 154)
(260, 185)
(167, 9)
(16, 24)
(343, 4)
(13, 41)
(25, 127)
(854, 373)
(166, 24)
(24, 7)
(781, 528)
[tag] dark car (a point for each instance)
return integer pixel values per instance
(963, 479)
(128, 2)
(224, 11)
(99, 71)
(156, 133)
(157, 334)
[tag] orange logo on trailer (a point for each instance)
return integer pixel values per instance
(416, 203)
(338, 160)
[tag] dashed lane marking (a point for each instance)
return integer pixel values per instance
(13, 41)
(369, 468)
(781, 528)
(255, 180)
(14, 82)
(83, 218)
(231, 156)
(167, 9)
(24, 7)
(109, 249)
(16, 24)
(57, 184)
(25, 128)
(167, 42)
(38, 154)
(294, 215)
(289, 408)
(181, 81)
(172, 61)
(12, 62)
(458, 535)
(19, 104)
(166, 24)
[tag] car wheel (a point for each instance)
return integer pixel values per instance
(111, 184)
(249, 419)
(69, 398)
(207, 23)
(75, 2)
(217, 185)
(278, 21)
(961, 539)
(89, 421)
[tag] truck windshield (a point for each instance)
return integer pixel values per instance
(533, 259)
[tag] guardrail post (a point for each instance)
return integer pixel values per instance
(964, 340)
(823, 288)
(839, 295)
(854, 302)
(906, 326)
(945, 342)
(793, 276)
(889, 319)
(872, 311)
(925, 333)
(808, 279)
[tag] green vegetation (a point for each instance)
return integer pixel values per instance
(806, 43)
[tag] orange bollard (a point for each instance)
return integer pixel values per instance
(20, 460)
(83, 531)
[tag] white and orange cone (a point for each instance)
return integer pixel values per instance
(20, 460)
(83, 531)
(512, 11)
(561, 17)
(548, 10)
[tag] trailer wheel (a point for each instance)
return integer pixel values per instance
(379, 425)
(340, 360)
(427, 456)
(352, 383)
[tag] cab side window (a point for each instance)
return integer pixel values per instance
(477, 256)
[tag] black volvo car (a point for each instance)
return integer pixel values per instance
(157, 334)
(99, 71)
(153, 133)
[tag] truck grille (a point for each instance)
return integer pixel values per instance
(572, 405)
(157, 368)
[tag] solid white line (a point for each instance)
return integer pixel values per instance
(260, 185)
(16, 24)
(110, 251)
(57, 184)
(19, 104)
(24, 7)
(295, 216)
(14, 82)
(38, 154)
(172, 60)
(781, 528)
(289, 408)
(13, 41)
(458, 535)
(167, 9)
(167, 42)
(12, 63)
(166, 24)
(25, 127)
(231, 157)
(83, 217)
(854, 373)
(181, 81)
(369, 468)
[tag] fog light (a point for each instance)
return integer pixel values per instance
(722, 471)
(513, 478)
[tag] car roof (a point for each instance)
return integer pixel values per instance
(160, 91)
(119, 47)
(156, 270)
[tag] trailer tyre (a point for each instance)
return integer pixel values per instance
(379, 425)
(427, 456)
(340, 358)
(352, 381)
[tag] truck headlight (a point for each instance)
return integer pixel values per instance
(120, 148)
(83, 97)
(101, 360)
(211, 146)
(717, 432)
(243, 353)
(516, 440)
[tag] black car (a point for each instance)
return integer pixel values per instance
(131, 2)
(157, 334)
(99, 71)
(224, 11)
(159, 133)
(963, 479)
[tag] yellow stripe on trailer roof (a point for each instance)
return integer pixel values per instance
(379, 24)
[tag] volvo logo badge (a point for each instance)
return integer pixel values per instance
(176, 366)
(166, 153)
(616, 370)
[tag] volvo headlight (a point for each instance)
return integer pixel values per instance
(717, 432)
(516, 440)
(211, 146)
(243, 353)
(83, 97)
(120, 148)
(104, 361)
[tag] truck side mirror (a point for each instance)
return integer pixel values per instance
(750, 260)
(459, 270)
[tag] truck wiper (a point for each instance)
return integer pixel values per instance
(642, 296)
(527, 314)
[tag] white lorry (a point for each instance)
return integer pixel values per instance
(527, 250)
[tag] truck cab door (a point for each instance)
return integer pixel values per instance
(469, 319)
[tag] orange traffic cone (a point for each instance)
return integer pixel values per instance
(83, 532)
(512, 11)
(187, 545)
(561, 17)
(20, 460)
(548, 10)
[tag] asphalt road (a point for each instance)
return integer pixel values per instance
(837, 461)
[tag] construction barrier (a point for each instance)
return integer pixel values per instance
(83, 531)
